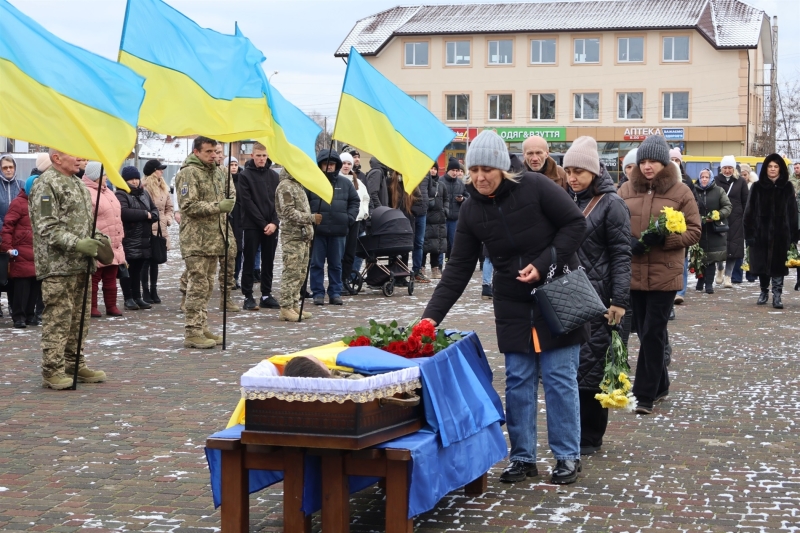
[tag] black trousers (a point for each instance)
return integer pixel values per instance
(651, 314)
(149, 275)
(27, 292)
(269, 243)
(594, 418)
(350, 245)
(132, 286)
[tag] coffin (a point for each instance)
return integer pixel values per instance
(341, 414)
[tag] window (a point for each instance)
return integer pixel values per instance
(500, 52)
(629, 106)
(458, 53)
(587, 106)
(421, 99)
(631, 50)
(457, 107)
(676, 106)
(587, 50)
(543, 106)
(500, 107)
(676, 48)
(417, 54)
(543, 51)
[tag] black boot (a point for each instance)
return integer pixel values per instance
(777, 290)
(797, 284)
(154, 295)
(764, 296)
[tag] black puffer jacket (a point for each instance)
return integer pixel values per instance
(135, 224)
(606, 255)
(256, 194)
(420, 206)
(377, 186)
(518, 224)
(454, 187)
(737, 192)
(341, 213)
(435, 224)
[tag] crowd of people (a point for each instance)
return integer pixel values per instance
(522, 221)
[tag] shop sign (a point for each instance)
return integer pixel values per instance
(673, 134)
(461, 134)
(520, 134)
(640, 134)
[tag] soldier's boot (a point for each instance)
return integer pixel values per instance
(232, 307)
(216, 338)
(57, 382)
(306, 314)
(199, 342)
(289, 315)
(183, 301)
(86, 375)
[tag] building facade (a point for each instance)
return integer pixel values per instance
(690, 70)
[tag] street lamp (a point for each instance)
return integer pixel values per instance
(270, 76)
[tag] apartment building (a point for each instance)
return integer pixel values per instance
(617, 70)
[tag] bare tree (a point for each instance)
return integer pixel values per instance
(324, 138)
(788, 130)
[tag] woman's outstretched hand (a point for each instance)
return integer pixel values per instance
(432, 321)
(529, 274)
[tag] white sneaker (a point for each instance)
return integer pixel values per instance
(719, 277)
(728, 284)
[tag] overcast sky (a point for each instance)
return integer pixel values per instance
(299, 37)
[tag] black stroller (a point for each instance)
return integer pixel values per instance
(389, 234)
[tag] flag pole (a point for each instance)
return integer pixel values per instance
(225, 266)
(89, 261)
(311, 248)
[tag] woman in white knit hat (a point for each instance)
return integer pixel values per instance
(737, 191)
(520, 219)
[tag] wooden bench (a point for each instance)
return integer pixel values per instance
(389, 464)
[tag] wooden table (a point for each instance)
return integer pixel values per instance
(389, 464)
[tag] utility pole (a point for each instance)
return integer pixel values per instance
(771, 147)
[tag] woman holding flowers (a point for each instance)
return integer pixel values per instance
(606, 256)
(519, 219)
(715, 208)
(656, 192)
(770, 227)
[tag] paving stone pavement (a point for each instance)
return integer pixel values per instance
(127, 455)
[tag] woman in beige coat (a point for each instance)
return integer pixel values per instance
(158, 190)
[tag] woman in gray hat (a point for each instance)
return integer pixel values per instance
(519, 219)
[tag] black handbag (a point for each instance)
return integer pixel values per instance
(569, 301)
(158, 247)
(4, 261)
(122, 271)
(720, 226)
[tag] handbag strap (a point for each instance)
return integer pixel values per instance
(589, 208)
(553, 265)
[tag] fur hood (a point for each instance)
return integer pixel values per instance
(667, 178)
(783, 177)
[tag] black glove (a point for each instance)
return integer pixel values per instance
(653, 239)
(750, 242)
(637, 248)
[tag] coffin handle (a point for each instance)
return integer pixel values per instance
(411, 401)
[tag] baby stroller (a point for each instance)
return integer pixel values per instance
(389, 234)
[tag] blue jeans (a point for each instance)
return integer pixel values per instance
(419, 241)
(738, 273)
(328, 248)
(682, 292)
(488, 269)
(451, 236)
(559, 368)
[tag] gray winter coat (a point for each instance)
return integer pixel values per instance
(713, 198)
(376, 185)
(454, 187)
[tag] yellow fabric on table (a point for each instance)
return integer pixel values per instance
(327, 354)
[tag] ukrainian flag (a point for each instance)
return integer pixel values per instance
(198, 81)
(58, 95)
(386, 122)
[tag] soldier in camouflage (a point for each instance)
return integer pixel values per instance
(204, 208)
(297, 232)
(61, 215)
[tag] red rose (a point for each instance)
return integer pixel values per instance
(402, 349)
(427, 350)
(393, 347)
(424, 329)
(414, 344)
(362, 341)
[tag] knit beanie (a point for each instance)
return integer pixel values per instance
(130, 173)
(43, 161)
(676, 154)
(92, 170)
(346, 158)
(629, 159)
(728, 161)
(230, 160)
(654, 148)
(29, 183)
(488, 150)
(453, 164)
(583, 154)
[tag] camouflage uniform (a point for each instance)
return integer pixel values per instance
(297, 232)
(202, 231)
(61, 214)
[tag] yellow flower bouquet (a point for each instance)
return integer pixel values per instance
(746, 263)
(669, 221)
(616, 385)
(793, 257)
(713, 216)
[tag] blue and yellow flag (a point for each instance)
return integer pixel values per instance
(61, 96)
(198, 81)
(387, 123)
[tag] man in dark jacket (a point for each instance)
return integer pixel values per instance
(331, 233)
(436, 222)
(420, 211)
(456, 194)
(357, 165)
(257, 184)
(376, 185)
